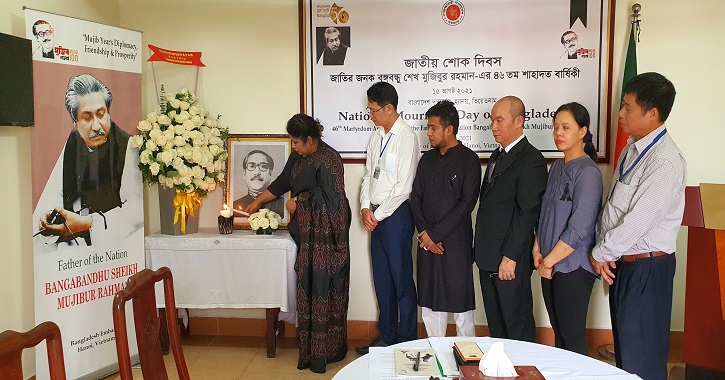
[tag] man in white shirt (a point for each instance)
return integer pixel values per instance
(392, 158)
(638, 229)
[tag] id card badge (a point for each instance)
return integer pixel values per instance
(376, 173)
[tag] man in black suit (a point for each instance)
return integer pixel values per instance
(509, 206)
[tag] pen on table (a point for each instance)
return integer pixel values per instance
(416, 365)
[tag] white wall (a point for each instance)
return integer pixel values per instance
(250, 49)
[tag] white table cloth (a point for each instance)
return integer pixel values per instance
(552, 362)
(239, 270)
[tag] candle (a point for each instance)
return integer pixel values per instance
(227, 213)
(241, 212)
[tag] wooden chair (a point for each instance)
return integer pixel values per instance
(12, 344)
(140, 289)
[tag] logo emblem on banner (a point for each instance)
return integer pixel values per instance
(337, 14)
(453, 12)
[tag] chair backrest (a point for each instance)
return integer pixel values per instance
(12, 344)
(140, 289)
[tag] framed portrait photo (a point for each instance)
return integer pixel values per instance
(253, 162)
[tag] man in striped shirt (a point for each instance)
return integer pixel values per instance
(638, 228)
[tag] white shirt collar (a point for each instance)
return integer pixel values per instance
(510, 146)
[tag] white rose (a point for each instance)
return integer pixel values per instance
(145, 156)
(154, 133)
(169, 133)
(150, 145)
(186, 135)
(152, 117)
(172, 114)
(179, 129)
(196, 120)
(211, 123)
(214, 150)
(184, 171)
(221, 177)
(177, 163)
(137, 141)
(179, 141)
(216, 132)
(161, 140)
(212, 187)
(154, 167)
(186, 180)
(189, 125)
(180, 119)
(164, 120)
(274, 224)
(264, 223)
(144, 126)
(165, 157)
(194, 110)
(169, 145)
(197, 172)
(174, 103)
(254, 224)
(184, 105)
(204, 112)
(184, 91)
(186, 114)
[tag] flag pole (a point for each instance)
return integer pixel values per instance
(630, 71)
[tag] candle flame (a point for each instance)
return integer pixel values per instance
(226, 207)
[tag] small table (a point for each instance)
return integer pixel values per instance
(552, 362)
(239, 270)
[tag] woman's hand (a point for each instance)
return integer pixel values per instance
(544, 272)
(252, 207)
(291, 205)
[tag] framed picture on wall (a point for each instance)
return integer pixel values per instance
(253, 162)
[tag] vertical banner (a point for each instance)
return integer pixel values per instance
(472, 52)
(87, 188)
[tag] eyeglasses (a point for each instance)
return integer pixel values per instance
(371, 111)
(252, 166)
(44, 33)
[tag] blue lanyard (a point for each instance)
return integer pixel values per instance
(639, 157)
(386, 144)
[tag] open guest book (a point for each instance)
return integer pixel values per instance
(416, 362)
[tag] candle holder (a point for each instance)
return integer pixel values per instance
(226, 225)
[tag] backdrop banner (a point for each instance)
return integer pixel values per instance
(471, 52)
(87, 188)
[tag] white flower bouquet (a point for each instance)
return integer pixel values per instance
(180, 146)
(264, 221)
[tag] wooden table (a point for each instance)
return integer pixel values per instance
(240, 270)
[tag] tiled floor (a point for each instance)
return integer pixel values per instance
(245, 358)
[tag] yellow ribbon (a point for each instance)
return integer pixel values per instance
(185, 204)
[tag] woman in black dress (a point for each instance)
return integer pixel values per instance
(320, 225)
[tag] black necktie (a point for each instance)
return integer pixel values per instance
(495, 162)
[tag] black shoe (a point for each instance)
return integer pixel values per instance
(375, 343)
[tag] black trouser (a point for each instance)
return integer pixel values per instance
(640, 302)
(566, 297)
(509, 306)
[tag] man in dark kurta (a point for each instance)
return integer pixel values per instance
(445, 190)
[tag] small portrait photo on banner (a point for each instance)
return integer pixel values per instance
(253, 163)
(333, 43)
